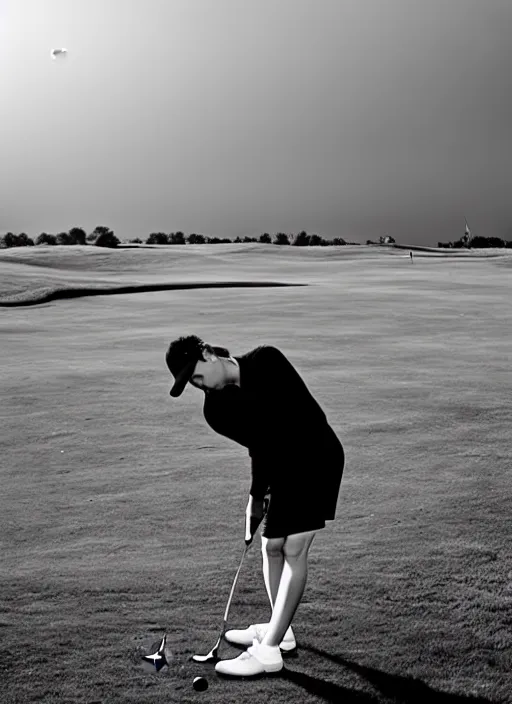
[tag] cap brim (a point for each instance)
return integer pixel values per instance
(182, 379)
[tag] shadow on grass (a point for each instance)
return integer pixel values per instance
(403, 690)
(327, 690)
(52, 294)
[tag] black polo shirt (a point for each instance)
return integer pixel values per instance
(275, 416)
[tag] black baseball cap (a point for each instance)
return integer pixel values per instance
(182, 356)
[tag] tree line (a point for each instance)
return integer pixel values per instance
(103, 236)
(476, 242)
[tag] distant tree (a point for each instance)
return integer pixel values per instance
(12, 240)
(157, 238)
(98, 230)
(250, 239)
(302, 239)
(315, 241)
(196, 239)
(106, 239)
(176, 238)
(78, 235)
(482, 242)
(218, 240)
(64, 238)
(338, 241)
(23, 240)
(369, 242)
(281, 238)
(9, 240)
(101, 230)
(45, 238)
(238, 239)
(265, 238)
(137, 240)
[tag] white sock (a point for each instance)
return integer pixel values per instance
(288, 634)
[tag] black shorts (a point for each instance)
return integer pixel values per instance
(306, 498)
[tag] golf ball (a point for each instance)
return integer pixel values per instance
(200, 684)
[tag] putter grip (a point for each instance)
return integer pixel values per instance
(253, 527)
(254, 524)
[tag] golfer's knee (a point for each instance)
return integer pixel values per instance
(296, 546)
(272, 547)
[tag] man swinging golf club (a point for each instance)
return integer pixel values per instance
(260, 401)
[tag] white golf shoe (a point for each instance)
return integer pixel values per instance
(257, 631)
(256, 660)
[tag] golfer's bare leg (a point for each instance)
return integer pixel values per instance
(273, 561)
(291, 586)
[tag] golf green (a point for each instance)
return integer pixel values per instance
(122, 512)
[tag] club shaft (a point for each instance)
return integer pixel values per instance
(214, 650)
(233, 586)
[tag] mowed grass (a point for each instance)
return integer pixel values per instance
(121, 511)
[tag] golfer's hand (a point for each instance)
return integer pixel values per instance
(253, 516)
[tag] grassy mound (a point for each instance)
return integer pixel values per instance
(32, 275)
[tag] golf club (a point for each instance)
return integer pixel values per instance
(213, 654)
(157, 660)
(251, 530)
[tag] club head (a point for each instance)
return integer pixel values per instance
(157, 660)
(212, 656)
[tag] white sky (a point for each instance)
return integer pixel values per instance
(351, 118)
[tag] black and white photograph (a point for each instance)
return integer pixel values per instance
(255, 351)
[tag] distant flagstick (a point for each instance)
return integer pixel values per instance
(467, 234)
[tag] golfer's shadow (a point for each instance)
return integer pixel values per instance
(403, 690)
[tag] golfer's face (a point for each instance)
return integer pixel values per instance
(208, 376)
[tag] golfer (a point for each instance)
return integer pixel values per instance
(260, 401)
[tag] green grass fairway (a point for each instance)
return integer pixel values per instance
(122, 512)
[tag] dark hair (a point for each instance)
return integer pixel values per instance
(181, 350)
(219, 351)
